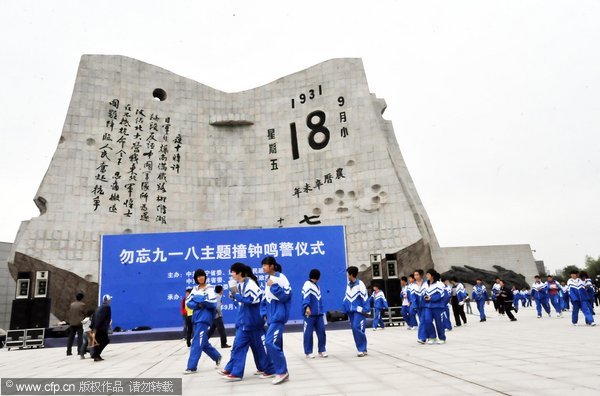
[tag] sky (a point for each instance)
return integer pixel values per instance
(495, 104)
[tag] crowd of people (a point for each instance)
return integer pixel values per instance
(263, 310)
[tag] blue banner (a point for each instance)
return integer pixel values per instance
(147, 273)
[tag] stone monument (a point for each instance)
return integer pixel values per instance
(144, 150)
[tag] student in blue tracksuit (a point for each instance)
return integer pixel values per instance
(587, 296)
(411, 293)
(554, 292)
(434, 306)
(425, 330)
(447, 297)
(540, 295)
(517, 298)
(576, 290)
(277, 301)
(244, 290)
(459, 295)
(203, 301)
(565, 295)
(379, 304)
(480, 296)
(409, 319)
(356, 306)
(313, 312)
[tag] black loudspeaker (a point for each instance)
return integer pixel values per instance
(39, 317)
(19, 317)
(392, 292)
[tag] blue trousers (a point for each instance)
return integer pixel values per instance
(587, 313)
(539, 302)
(200, 344)
(377, 319)
(316, 324)
(274, 344)
(434, 315)
(409, 317)
(446, 318)
(243, 340)
(481, 309)
(566, 301)
(357, 321)
(555, 300)
(426, 329)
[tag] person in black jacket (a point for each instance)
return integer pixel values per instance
(506, 297)
(101, 324)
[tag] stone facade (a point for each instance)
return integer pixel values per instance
(518, 258)
(144, 150)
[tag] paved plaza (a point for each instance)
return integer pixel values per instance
(532, 356)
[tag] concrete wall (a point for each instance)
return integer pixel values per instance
(7, 286)
(518, 258)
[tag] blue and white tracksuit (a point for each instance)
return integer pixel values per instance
(576, 290)
(565, 298)
(540, 295)
(425, 330)
(409, 318)
(447, 297)
(249, 331)
(311, 298)
(588, 295)
(356, 306)
(480, 296)
(379, 304)
(203, 301)
(434, 308)
(554, 292)
(277, 301)
(517, 296)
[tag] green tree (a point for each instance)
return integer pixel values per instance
(592, 266)
(566, 272)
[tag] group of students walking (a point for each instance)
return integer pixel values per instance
(425, 306)
(271, 303)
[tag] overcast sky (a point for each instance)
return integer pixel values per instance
(495, 104)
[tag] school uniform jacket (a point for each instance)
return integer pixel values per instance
(204, 303)
(277, 299)
(311, 298)
(436, 293)
(248, 297)
(479, 293)
(356, 298)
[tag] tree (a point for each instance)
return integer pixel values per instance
(566, 272)
(592, 266)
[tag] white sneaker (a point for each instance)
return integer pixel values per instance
(575, 324)
(441, 342)
(374, 328)
(323, 354)
(360, 354)
(310, 356)
(281, 378)
(593, 324)
(188, 371)
(431, 341)
(558, 315)
(265, 376)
